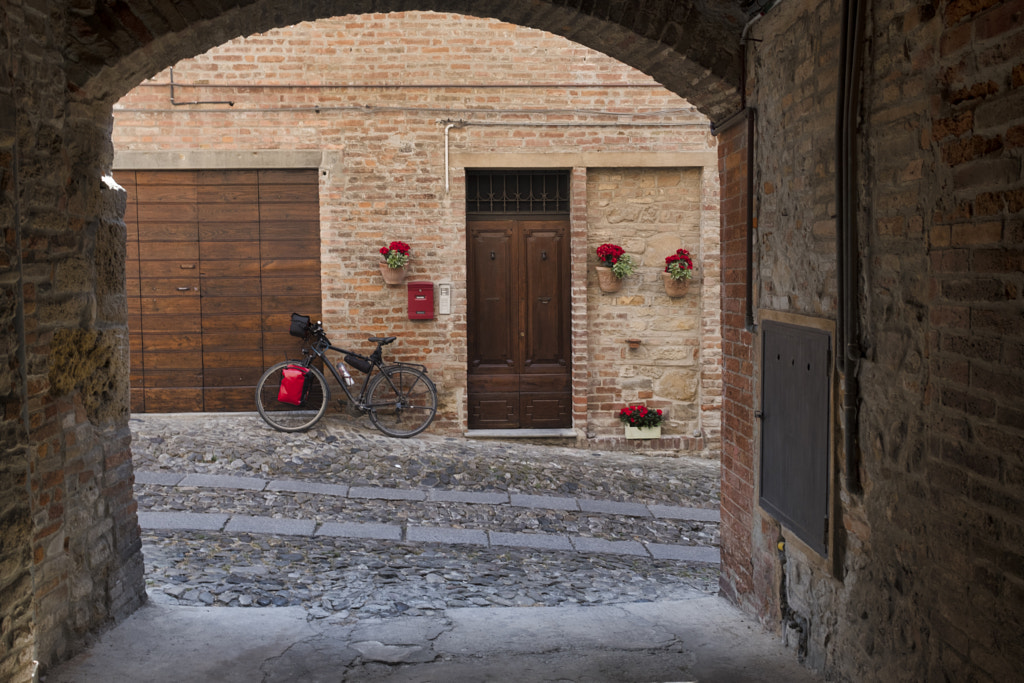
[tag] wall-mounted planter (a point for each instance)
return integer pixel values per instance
(392, 276)
(643, 432)
(607, 281)
(675, 288)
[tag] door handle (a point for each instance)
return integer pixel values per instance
(184, 289)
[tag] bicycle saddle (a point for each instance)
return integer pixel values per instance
(383, 341)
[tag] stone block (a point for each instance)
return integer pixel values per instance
(183, 520)
(524, 540)
(270, 525)
(684, 553)
(382, 532)
(543, 502)
(423, 534)
(383, 493)
(611, 507)
(224, 481)
(313, 487)
(586, 544)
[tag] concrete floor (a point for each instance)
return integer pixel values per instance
(704, 639)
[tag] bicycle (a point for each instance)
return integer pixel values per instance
(292, 396)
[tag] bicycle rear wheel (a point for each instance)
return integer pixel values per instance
(286, 417)
(403, 406)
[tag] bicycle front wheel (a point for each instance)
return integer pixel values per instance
(286, 417)
(402, 401)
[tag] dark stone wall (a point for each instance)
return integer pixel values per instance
(70, 557)
(926, 579)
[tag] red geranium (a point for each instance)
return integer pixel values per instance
(609, 254)
(640, 416)
(679, 265)
(613, 256)
(396, 254)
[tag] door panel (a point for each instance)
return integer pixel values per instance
(491, 299)
(519, 324)
(199, 293)
(494, 411)
(547, 410)
(546, 300)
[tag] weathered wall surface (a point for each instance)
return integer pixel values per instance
(928, 582)
(373, 93)
(69, 557)
(650, 213)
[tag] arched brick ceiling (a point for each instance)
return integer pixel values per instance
(689, 46)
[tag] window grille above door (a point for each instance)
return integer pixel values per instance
(517, 192)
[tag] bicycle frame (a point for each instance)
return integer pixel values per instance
(319, 349)
(321, 345)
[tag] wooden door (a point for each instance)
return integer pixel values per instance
(170, 313)
(519, 328)
(217, 262)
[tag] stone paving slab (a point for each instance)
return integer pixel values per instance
(293, 486)
(381, 493)
(433, 495)
(380, 532)
(694, 514)
(544, 502)
(422, 534)
(193, 521)
(535, 541)
(473, 497)
(586, 544)
(158, 478)
(684, 553)
(270, 525)
(425, 534)
(223, 481)
(611, 507)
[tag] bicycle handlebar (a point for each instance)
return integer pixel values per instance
(317, 330)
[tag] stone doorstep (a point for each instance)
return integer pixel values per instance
(535, 502)
(197, 521)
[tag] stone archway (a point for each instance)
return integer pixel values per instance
(70, 558)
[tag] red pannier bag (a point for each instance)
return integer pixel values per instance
(293, 383)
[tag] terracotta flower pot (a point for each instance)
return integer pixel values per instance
(607, 281)
(674, 288)
(392, 276)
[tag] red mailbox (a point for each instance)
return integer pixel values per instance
(421, 301)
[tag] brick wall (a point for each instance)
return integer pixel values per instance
(925, 582)
(738, 445)
(373, 92)
(16, 618)
(69, 556)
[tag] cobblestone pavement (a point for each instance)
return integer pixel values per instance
(352, 525)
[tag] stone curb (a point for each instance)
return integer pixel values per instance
(431, 495)
(195, 521)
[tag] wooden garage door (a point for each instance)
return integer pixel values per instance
(217, 262)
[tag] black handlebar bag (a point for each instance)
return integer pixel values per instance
(300, 326)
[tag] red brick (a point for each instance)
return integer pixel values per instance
(957, 10)
(1008, 17)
